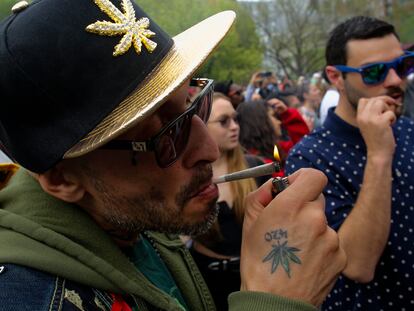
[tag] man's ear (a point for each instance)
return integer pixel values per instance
(57, 183)
(335, 77)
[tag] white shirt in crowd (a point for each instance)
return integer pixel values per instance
(330, 99)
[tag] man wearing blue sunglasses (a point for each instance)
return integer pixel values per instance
(366, 149)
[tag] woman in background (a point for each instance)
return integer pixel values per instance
(311, 96)
(217, 252)
(266, 124)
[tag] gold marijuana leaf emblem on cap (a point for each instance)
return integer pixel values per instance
(134, 31)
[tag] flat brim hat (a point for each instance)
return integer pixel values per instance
(78, 73)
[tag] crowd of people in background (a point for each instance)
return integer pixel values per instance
(311, 96)
(304, 94)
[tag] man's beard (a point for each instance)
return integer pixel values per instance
(354, 95)
(150, 211)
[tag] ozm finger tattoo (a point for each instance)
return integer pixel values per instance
(281, 253)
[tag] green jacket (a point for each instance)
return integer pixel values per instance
(41, 232)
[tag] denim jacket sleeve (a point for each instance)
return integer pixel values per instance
(23, 288)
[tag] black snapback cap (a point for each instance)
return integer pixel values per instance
(57, 80)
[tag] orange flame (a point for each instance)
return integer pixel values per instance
(276, 154)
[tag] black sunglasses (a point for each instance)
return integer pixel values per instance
(377, 72)
(169, 143)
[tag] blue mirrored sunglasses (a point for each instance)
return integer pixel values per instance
(169, 143)
(377, 72)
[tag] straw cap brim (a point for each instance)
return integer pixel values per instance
(190, 50)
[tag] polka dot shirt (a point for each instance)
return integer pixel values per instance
(338, 150)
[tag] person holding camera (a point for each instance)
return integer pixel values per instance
(262, 84)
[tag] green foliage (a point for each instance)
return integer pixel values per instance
(406, 29)
(403, 19)
(5, 7)
(238, 55)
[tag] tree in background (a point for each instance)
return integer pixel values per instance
(241, 52)
(5, 7)
(402, 16)
(291, 34)
(399, 13)
(294, 32)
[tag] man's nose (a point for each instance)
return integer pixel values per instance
(392, 79)
(201, 146)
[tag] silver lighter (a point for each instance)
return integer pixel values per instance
(279, 184)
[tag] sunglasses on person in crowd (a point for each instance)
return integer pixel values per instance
(225, 121)
(169, 143)
(376, 73)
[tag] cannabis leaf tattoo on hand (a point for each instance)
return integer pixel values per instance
(281, 253)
